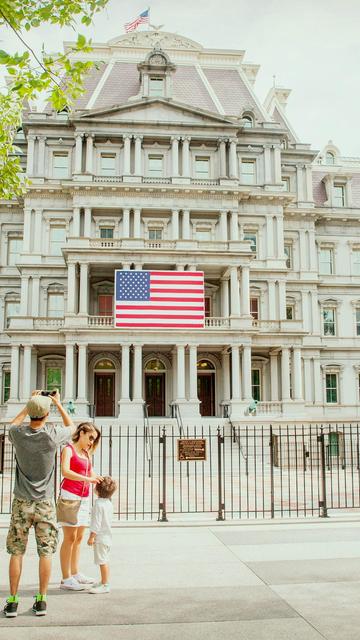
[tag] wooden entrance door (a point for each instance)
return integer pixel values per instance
(155, 393)
(104, 394)
(206, 393)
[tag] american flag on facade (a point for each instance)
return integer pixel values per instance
(172, 299)
(143, 18)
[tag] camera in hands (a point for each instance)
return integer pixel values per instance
(49, 393)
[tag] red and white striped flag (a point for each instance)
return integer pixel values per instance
(143, 18)
(173, 299)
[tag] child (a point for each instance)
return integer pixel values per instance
(100, 531)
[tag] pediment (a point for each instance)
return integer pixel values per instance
(155, 110)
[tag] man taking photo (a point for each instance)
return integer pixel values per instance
(33, 504)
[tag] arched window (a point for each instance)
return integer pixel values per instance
(247, 122)
(329, 158)
(155, 365)
(205, 365)
(104, 364)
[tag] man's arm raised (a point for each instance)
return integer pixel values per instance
(67, 421)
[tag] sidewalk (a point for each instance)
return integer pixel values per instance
(246, 582)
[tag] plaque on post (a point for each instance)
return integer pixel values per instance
(191, 449)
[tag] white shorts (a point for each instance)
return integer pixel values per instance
(84, 510)
(101, 553)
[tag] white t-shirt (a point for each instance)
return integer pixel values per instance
(101, 519)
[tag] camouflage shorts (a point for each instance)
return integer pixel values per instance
(42, 516)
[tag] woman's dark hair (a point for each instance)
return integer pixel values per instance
(87, 427)
(106, 487)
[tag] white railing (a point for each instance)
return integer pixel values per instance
(102, 243)
(267, 325)
(160, 244)
(48, 323)
(217, 322)
(268, 408)
(108, 179)
(100, 321)
(156, 180)
(204, 182)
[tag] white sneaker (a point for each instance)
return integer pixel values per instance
(101, 588)
(72, 584)
(79, 577)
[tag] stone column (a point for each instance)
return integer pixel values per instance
(69, 372)
(84, 288)
(233, 170)
(26, 381)
(137, 223)
(246, 372)
(267, 164)
(274, 385)
(82, 373)
(298, 391)
(234, 225)
(126, 223)
(315, 312)
(180, 360)
(224, 297)
(245, 290)
(30, 155)
(138, 150)
(300, 183)
(78, 152)
(280, 236)
(234, 292)
(223, 226)
(27, 231)
(225, 362)
(186, 157)
(138, 373)
(222, 153)
(269, 237)
(175, 156)
(303, 250)
(125, 372)
(38, 231)
(312, 250)
(89, 152)
(309, 187)
(127, 145)
(41, 156)
(235, 373)
(14, 379)
(87, 222)
(277, 163)
(24, 295)
(71, 293)
(272, 299)
(318, 392)
(76, 222)
(175, 224)
(35, 297)
(282, 299)
(307, 379)
(285, 374)
(186, 224)
(193, 372)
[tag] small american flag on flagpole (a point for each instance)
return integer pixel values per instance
(143, 18)
(172, 299)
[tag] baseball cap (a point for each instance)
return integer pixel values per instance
(38, 407)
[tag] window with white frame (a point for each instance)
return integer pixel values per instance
(288, 250)
(356, 262)
(326, 261)
(156, 87)
(329, 158)
(290, 310)
(329, 321)
(155, 233)
(254, 307)
(256, 384)
(12, 310)
(286, 183)
(247, 122)
(107, 164)
(338, 195)
(14, 249)
(202, 167)
(248, 171)
(331, 387)
(60, 164)
(357, 320)
(252, 237)
(55, 305)
(156, 165)
(57, 240)
(6, 382)
(54, 378)
(106, 232)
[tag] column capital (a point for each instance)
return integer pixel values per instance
(79, 134)
(186, 138)
(175, 138)
(90, 135)
(138, 136)
(127, 136)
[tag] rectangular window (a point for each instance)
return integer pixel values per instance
(338, 195)
(57, 240)
(156, 87)
(156, 165)
(326, 262)
(6, 386)
(12, 310)
(288, 254)
(329, 322)
(56, 305)
(60, 164)
(256, 384)
(14, 250)
(356, 262)
(248, 171)
(107, 164)
(106, 232)
(202, 167)
(286, 183)
(54, 379)
(290, 312)
(331, 388)
(105, 304)
(203, 234)
(155, 234)
(253, 239)
(357, 322)
(254, 308)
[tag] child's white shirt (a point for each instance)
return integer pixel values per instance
(101, 519)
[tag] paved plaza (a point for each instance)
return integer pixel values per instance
(195, 581)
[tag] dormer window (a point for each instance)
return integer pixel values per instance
(247, 122)
(329, 158)
(156, 87)
(155, 75)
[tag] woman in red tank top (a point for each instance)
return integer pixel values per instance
(77, 474)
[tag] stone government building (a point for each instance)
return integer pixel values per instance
(169, 161)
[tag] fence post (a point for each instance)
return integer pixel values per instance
(221, 506)
(323, 501)
(272, 497)
(162, 505)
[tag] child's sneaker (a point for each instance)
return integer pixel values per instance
(72, 584)
(39, 606)
(83, 579)
(100, 588)
(11, 607)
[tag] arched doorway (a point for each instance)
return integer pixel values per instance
(206, 387)
(155, 387)
(104, 388)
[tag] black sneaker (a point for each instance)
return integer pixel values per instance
(39, 606)
(11, 607)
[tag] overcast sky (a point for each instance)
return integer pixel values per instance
(311, 46)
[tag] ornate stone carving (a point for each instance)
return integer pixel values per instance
(150, 39)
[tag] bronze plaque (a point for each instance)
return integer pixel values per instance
(191, 449)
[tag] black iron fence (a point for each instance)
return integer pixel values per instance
(260, 471)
